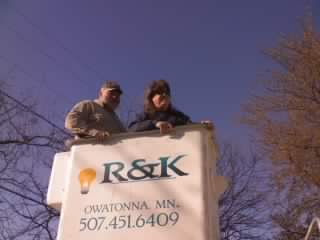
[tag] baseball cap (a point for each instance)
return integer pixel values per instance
(112, 85)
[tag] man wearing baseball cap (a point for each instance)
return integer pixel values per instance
(97, 118)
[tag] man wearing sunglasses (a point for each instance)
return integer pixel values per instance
(97, 118)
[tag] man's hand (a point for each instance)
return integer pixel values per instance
(165, 127)
(208, 124)
(102, 136)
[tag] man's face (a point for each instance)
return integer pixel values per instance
(110, 97)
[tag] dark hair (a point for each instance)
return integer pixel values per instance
(156, 86)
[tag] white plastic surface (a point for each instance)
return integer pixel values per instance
(58, 179)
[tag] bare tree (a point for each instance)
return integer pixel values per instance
(244, 211)
(26, 149)
(286, 118)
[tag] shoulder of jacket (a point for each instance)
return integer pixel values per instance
(182, 115)
(86, 102)
(178, 112)
(141, 116)
(83, 104)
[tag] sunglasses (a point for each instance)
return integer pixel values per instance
(161, 93)
(116, 92)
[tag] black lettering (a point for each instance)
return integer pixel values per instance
(115, 172)
(146, 170)
(165, 165)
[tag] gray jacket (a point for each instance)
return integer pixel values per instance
(89, 117)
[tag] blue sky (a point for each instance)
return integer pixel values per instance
(60, 51)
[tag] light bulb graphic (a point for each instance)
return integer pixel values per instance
(86, 177)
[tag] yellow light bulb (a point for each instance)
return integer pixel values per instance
(86, 177)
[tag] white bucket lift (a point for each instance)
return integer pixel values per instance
(139, 186)
(315, 221)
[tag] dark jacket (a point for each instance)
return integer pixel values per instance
(145, 121)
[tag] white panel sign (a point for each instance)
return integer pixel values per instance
(142, 187)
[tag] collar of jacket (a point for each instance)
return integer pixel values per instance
(105, 106)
